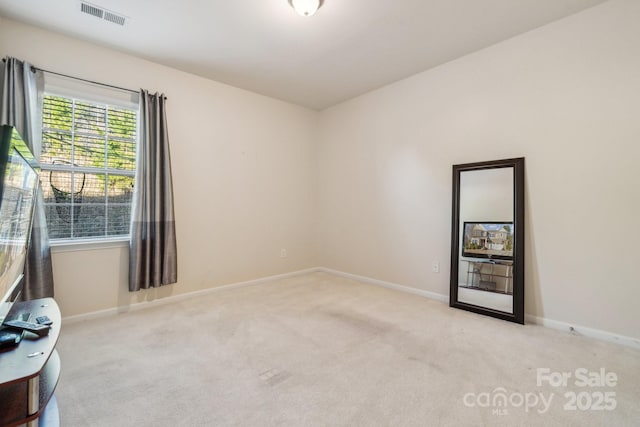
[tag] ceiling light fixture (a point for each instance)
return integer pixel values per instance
(306, 7)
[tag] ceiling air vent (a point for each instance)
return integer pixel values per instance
(91, 10)
(99, 12)
(112, 17)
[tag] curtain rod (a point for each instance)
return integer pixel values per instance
(34, 68)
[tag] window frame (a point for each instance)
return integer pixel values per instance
(80, 91)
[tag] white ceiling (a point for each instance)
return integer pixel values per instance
(348, 48)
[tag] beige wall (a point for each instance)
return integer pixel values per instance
(250, 171)
(243, 171)
(566, 97)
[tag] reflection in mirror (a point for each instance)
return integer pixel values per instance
(486, 238)
(487, 247)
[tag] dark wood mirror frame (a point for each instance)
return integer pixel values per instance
(518, 245)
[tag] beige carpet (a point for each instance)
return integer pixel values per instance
(318, 350)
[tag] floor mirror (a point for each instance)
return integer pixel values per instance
(487, 238)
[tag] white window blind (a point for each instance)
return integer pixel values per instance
(88, 167)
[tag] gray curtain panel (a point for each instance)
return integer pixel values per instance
(21, 106)
(153, 259)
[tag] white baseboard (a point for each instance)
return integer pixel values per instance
(531, 319)
(175, 298)
(584, 331)
(407, 289)
(547, 323)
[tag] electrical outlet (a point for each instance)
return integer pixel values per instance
(435, 267)
(283, 253)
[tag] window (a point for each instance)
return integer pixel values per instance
(88, 166)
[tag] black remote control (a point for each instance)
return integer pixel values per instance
(39, 330)
(44, 320)
(9, 338)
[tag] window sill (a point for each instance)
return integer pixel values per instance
(88, 244)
